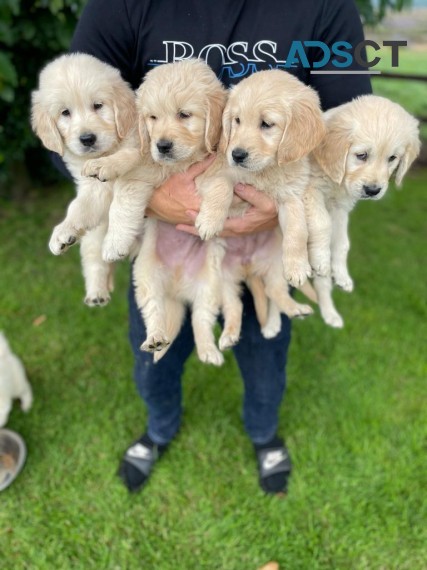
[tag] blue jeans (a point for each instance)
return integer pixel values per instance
(262, 364)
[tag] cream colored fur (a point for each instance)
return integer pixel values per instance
(13, 382)
(181, 103)
(367, 141)
(276, 120)
(77, 96)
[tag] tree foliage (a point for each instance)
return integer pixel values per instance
(31, 33)
(373, 11)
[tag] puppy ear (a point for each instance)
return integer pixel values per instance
(331, 153)
(144, 137)
(124, 108)
(226, 130)
(411, 152)
(45, 127)
(305, 128)
(216, 103)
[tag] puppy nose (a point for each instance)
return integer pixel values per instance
(239, 155)
(372, 190)
(164, 146)
(88, 139)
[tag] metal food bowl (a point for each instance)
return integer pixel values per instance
(13, 453)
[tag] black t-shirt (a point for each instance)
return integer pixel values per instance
(236, 37)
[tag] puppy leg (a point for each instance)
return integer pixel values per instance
(85, 212)
(274, 323)
(150, 293)
(126, 218)
(206, 304)
(277, 290)
(232, 309)
(5, 407)
(26, 397)
(175, 313)
(340, 246)
(319, 232)
(217, 196)
(154, 315)
(203, 318)
(111, 167)
(98, 274)
(330, 315)
(294, 229)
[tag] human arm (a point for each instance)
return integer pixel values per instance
(260, 216)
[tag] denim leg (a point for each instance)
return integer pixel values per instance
(159, 385)
(262, 363)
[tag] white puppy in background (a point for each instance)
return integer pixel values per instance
(367, 141)
(13, 382)
(84, 110)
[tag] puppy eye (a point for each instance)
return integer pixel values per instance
(184, 115)
(237, 120)
(153, 117)
(265, 125)
(97, 106)
(66, 113)
(363, 156)
(392, 158)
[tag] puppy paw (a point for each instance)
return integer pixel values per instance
(207, 227)
(227, 340)
(63, 237)
(271, 329)
(155, 343)
(211, 355)
(26, 401)
(321, 266)
(97, 298)
(333, 319)
(344, 281)
(114, 249)
(160, 354)
(300, 311)
(297, 272)
(99, 168)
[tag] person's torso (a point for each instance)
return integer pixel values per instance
(235, 37)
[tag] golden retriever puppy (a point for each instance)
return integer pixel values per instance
(271, 123)
(179, 117)
(83, 109)
(190, 100)
(367, 141)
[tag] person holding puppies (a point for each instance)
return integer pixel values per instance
(236, 38)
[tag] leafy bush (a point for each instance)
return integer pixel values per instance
(31, 33)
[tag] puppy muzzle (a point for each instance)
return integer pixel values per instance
(371, 191)
(239, 155)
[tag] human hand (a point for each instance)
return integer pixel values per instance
(172, 201)
(260, 216)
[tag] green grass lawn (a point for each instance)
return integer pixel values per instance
(354, 418)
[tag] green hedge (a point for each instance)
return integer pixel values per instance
(32, 33)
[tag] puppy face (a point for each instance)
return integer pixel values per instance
(271, 118)
(180, 107)
(367, 141)
(82, 106)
